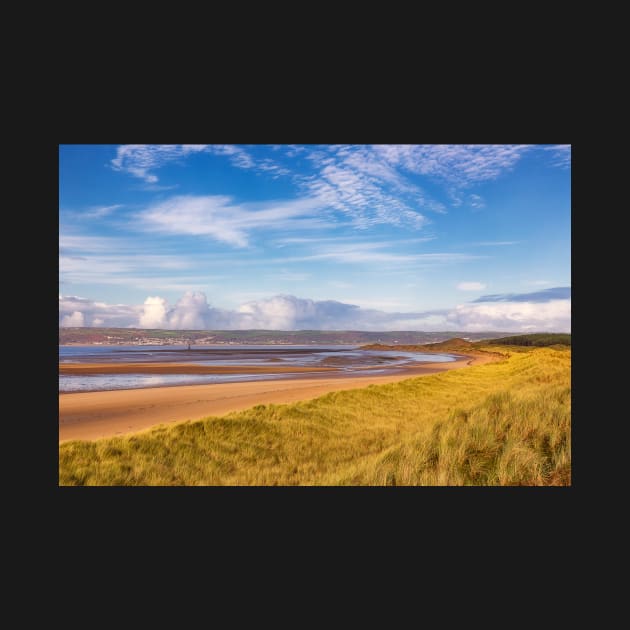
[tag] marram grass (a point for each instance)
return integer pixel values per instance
(505, 423)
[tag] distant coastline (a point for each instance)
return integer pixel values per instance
(138, 337)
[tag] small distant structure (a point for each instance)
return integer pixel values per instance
(189, 344)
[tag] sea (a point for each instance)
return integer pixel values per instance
(347, 360)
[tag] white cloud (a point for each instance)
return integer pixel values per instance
(277, 312)
(190, 312)
(460, 165)
(561, 155)
(238, 156)
(494, 243)
(359, 184)
(82, 243)
(154, 313)
(74, 319)
(552, 316)
(471, 286)
(372, 253)
(475, 201)
(139, 159)
(370, 185)
(219, 217)
(78, 311)
(287, 312)
(97, 212)
(126, 269)
(91, 260)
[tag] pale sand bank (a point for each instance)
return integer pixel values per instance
(93, 415)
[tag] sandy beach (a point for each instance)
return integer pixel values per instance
(93, 415)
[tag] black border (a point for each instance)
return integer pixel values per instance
(471, 514)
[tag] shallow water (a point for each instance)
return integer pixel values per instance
(346, 358)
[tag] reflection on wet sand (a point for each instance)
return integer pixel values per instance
(133, 367)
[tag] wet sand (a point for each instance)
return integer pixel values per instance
(181, 368)
(93, 415)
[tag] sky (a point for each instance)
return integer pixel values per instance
(334, 237)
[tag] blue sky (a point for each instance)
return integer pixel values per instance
(414, 237)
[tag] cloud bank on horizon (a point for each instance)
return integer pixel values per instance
(287, 312)
(371, 237)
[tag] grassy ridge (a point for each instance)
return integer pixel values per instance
(537, 339)
(495, 424)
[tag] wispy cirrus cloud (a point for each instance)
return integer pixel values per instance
(561, 155)
(494, 243)
(345, 186)
(372, 184)
(471, 286)
(457, 164)
(358, 182)
(85, 243)
(140, 159)
(221, 218)
(368, 184)
(475, 201)
(101, 211)
(90, 213)
(545, 295)
(118, 261)
(376, 253)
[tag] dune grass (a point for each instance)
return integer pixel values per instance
(535, 339)
(504, 423)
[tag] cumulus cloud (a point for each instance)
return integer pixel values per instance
(287, 312)
(79, 311)
(471, 286)
(290, 312)
(154, 313)
(552, 316)
(190, 312)
(74, 319)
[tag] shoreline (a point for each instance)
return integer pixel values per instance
(205, 345)
(180, 368)
(100, 414)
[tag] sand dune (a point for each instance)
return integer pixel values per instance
(93, 415)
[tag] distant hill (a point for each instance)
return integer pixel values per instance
(455, 344)
(538, 339)
(130, 336)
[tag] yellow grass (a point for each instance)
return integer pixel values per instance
(505, 423)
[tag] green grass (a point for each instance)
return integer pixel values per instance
(537, 339)
(505, 423)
